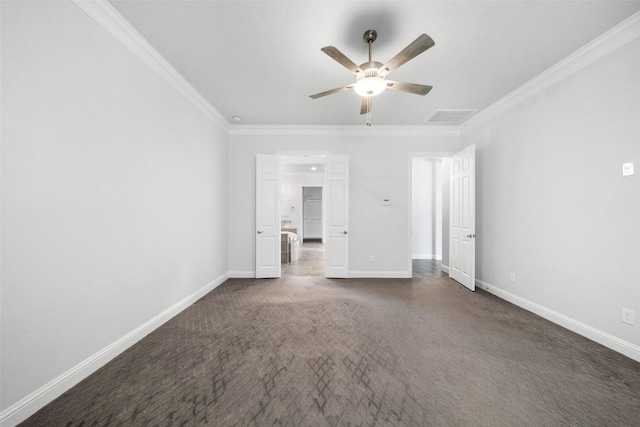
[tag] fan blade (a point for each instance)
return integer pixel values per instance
(342, 59)
(330, 92)
(414, 49)
(365, 107)
(409, 87)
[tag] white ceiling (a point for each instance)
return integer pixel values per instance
(261, 60)
(302, 163)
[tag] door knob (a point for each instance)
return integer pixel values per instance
(344, 232)
(260, 231)
(471, 236)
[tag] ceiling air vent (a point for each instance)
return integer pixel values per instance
(450, 117)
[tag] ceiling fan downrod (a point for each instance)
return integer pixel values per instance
(369, 37)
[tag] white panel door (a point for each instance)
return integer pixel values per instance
(267, 216)
(462, 225)
(337, 217)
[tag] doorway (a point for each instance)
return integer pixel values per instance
(312, 214)
(302, 179)
(427, 219)
(276, 210)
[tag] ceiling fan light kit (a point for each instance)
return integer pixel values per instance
(370, 76)
(370, 86)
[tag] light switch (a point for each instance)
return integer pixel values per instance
(627, 169)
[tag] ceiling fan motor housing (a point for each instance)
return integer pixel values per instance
(370, 69)
(368, 83)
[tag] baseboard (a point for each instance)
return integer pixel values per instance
(379, 275)
(29, 405)
(426, 256)
(242, 274)
(444, 268)
(607, 340)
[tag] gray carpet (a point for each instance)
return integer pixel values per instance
(357, 352)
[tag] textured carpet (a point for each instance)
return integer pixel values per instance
(357, 352)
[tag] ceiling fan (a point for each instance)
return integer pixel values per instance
(370, 76)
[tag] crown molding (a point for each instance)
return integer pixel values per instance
(346, 130)
(108, 18)
(617, 37)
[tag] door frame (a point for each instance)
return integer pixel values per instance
(411, 155)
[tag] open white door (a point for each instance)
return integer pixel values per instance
(267, 216)
(462, 224)
(337, 223)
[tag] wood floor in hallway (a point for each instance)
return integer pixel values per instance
(427, 268)
(309, 264)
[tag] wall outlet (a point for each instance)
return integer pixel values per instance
(627, 316)
(372, 260)
(512, 277)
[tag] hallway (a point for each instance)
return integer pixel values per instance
(310, 263)
(427, 268)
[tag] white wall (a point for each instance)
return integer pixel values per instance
(114, 192)
(426, 215)
(439, 209)
(422, 208)
(378, 170)
(446, 183)
(553, 206)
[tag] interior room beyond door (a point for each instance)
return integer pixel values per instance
(302, 178)
(312, 212)
(426, 216)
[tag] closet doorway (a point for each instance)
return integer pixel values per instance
(312, 214)
(427, 215)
